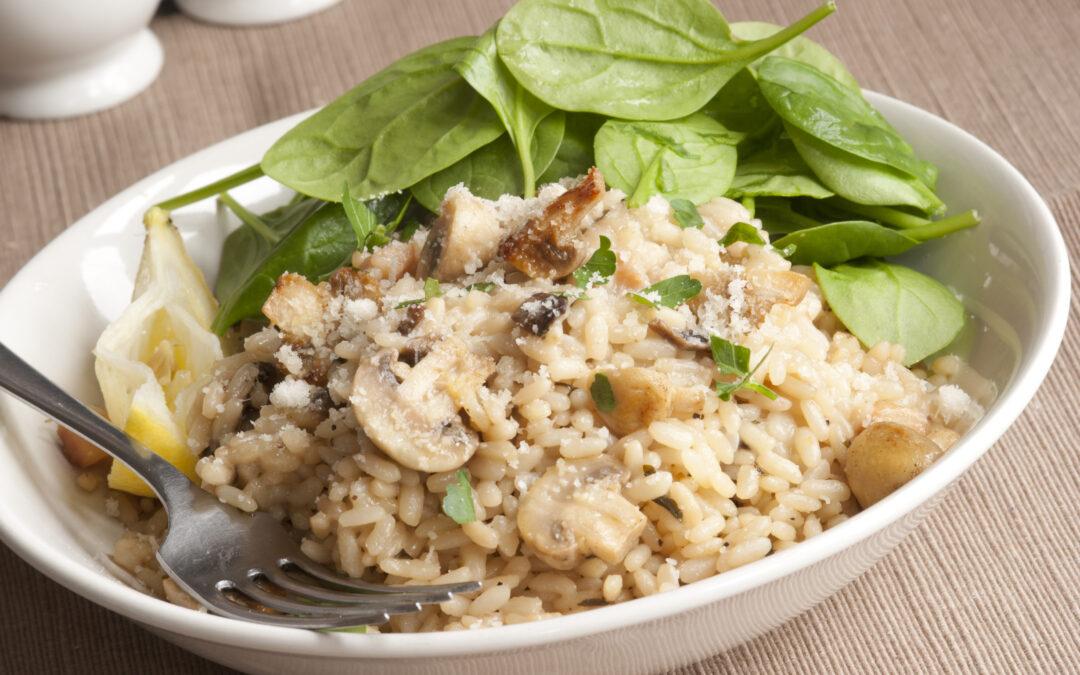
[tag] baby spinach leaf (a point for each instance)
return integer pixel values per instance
(686, 214)
(834, 243)
(778, 217)
(602, 394)
(575, 153)
(734, 360)
(692, 158)
(776, 171)
(458, 501)
(414, 118)
(860, 179)
(742, 232)
(492, 171)
(248, 218)
(519, 110)
(879, 301)
(669, 292)
(628, 59)
(837, 115)
(315, 247)
(598, 269)
(244, 248)
(741, 107)
(800, 48)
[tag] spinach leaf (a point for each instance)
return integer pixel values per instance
(602, 394)
(315, 247)
(628, 59)
(776, 171)
(492, 171)
(575, 154)
(598, 269)
(362, 219)
(458, 502)
(692, 158)
(742, 232)
(800, 48)
(860, 179)
(734, 360)
(834, 243)
(669, 292)
(778, 217)
(414, 118)
(838, 115)
(686, 214)
(244, 248)
(879, 301)
(519, 110)
(741, 107)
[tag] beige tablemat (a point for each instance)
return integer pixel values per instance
(990, 582)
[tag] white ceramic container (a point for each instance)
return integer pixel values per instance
(1012, 271)
(60, 58)
(252, 12)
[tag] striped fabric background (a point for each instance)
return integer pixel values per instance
(989, 583)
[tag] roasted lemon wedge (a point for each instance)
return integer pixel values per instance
(155, 358)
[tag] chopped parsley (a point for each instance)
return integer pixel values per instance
(458, 502)
(482, 286)
(602, 394)
(670, 506)
(686, 214)
(742, 232)
(432, 289)
(669, 292)
(598, 269)
(732, 359)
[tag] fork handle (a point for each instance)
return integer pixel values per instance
(24, 382)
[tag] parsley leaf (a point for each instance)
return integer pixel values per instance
(458, 502)
(669, 292)
(742, 232)
(602, 394)
(432, 289)
(686, 214)
(733, 359)
(362, 219)
(482, 286)
(598, 269)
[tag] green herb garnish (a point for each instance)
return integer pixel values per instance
(733, 359)
(602, 394)
(742, 232)
(686, 214)
(598, 269)
(669, 292)
(458, 502)
(482, 286)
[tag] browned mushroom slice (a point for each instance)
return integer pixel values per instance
(686, 338)
(296, 307)
(416, 421)
(547, 247)
(576, 509)
(540, 311)
(462, 239)
(766, 288)
(389, 262)
(642, 396)
(884, 457)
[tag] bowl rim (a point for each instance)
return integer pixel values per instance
(163, 616)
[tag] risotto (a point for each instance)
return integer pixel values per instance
(443, 409)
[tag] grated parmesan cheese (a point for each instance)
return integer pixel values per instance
(291, 393)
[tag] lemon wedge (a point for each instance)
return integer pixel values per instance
(155, 358)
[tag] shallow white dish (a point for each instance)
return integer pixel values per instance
(252, 12)
(1012, 271)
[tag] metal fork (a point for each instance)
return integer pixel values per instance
(239, 565)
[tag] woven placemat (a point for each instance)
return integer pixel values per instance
(990, 582)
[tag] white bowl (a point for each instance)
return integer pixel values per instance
(60, 58)
(1012, 270)
(252, 12)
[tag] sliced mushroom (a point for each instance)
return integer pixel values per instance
(353, 284)
(462, 239)
(885, 456)
(547, 247)
(414, 314)
(389, 262)
(540, 311)
(683, 339)
(576, 509)
(642, 396)
(766, 288)
(296, 307)
(416, 421)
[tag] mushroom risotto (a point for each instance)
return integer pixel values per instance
(524, 321)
